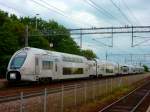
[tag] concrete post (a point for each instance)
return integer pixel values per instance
(62, 98)
(21, 102)
(45, 100)
(85, 92)
(75, 94)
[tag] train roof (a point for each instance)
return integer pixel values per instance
(42, 51)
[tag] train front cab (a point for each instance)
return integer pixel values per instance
(14, 66)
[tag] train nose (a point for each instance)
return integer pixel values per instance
(13, 76)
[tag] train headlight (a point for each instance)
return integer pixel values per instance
(12, 76)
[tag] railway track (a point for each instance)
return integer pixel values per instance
(130, 102)
(13, 89)
(40, 93)
(32, 91)
(67, 81)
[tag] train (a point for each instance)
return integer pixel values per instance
(34, 64)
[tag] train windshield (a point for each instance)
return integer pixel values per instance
(18, 60)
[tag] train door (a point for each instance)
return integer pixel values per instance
(37, 65)
(47, 66)
(57, 69)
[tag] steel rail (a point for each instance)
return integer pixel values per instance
(140, 102)
(50, 91)
(105, 108)
(34, 94)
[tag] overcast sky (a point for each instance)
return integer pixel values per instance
(89, 13)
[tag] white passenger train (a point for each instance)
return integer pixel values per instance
(32, 64)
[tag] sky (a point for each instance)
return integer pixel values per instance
(91, 13)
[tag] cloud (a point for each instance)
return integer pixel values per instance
(86, 18)
(79, 14)
(60, 5)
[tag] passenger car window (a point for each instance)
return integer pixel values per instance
(47, 65)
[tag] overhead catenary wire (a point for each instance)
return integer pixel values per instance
(130, 11)
(40, 4)
(56, 10)
(141, 37)
(123, 14)
(91, 5)
(144, 41)
(101, 43)
(102, 10)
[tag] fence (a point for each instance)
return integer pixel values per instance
(63, 98)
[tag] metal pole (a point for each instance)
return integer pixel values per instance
(75, 94)
(106, 63)
(26, 36)
(119, 81)
(99, 88)
(80, 38)
(111, 84)
(62, 98)
(132, 38)
(21, 103)
(45, 99)
(112, 37)
(36, 22)
(106, 55)
(131, 59)
(96, 67)
(106, 86)
(93, 91)
(85, 85)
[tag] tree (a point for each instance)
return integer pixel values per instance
(89, 54)
(12, 37)
(145, 68)
(17, 29)
(8, 45)
(3, 17)
(38, 41)
(68, 46)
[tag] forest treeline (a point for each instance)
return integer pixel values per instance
(13, 32)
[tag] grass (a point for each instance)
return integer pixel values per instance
(104, 100)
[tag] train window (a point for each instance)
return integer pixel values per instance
(18, 60)
(72, 59)
(109, 70)
(47, 65)
(70, 71)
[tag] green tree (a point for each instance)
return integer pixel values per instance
(8, 45)
(68, 46)
(3, 18)
(89, 54)
(12, 37)
(38, 41)
(17, 29)
(145, 68)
